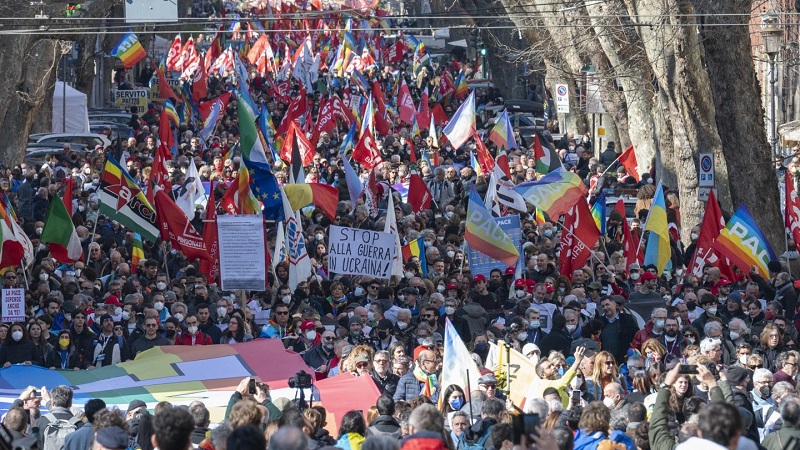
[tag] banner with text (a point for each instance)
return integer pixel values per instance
(360, 252)
(482, 264)
(241, 252)
(13, 305)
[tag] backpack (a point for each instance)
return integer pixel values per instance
(479, 444)
(56, 431)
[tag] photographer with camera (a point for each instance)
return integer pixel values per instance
(251, 387)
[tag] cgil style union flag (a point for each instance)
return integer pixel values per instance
(123, 201)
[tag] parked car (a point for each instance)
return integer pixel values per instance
(90, 140)
(115, 117)
(36, 153)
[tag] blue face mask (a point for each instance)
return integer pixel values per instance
(561, 371)
(456, 403)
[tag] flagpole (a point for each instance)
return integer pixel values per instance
(584, 243)
(24, 273)
(469, 393)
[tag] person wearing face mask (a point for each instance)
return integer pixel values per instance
(382, 335)
(306, 340)
(193, 335)
(710, 305)
(634, 275)
(557, 339)
(17, 347)
(320, 356)
(653, 328)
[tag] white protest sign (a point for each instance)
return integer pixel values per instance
(241, 252)
(13, 305)
(360, 252)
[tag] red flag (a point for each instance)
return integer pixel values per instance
(704, 253)
(502, 162)
(175, 55)
(423, 112)
(628, 160)
(325, 122)
(366, 151)
(190, 57)
(405, 104)
(230, 201)
(304, 147)
(446, 84)
(439, 117)
(577, 238)
(258, 49)
(792, 213)
(212, 54)
(176, 227)
(484, 158)
(210, 267)
(159, 173)
(297, 108)
(382, 126)
(165, 130)
(378, 98)
(340, 111)
(205, 108)
(633, 252)
(419, 197)
(396, 52)
(200, 84)
(164, 88)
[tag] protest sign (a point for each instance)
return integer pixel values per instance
(241, 252)
(13, 305)
(482, 264)
(360, 252)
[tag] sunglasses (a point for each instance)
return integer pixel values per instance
(281, 313)
(151, 325)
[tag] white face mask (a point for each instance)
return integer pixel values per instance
(43, 276)
(571, 328)
(520, 293)
(694, 236)
(449, 310)
(222, 311)
(522, 336)
(440, 288)
(311, 335)
(402, 325)
(712, 310)
(635, 276)
(117, 311)
(743, 359)
(179, 316)
(39, 230)
(286, 299)
(161, 285)
(191, 330)
(609, 402)
(17, 335)
(359, 291)
(735, 335)
(320, 236)
(409, 275)
(126, 315)
(158, 306)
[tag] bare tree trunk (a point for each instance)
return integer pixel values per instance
(739, 119)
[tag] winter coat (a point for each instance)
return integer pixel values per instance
(384, 425)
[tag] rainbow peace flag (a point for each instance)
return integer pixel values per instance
(555, 193)
(247, 201)
(658, 250)
(129, 50)
(502, 135)
(171, 112)
(178, 374)
(462, 89)
(743, 243)
(599, 213)
(137, 251)
(485, 235)
(416, 248)
(473, 162)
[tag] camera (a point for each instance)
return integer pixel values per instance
(300, 380)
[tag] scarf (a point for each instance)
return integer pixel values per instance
(430, 382)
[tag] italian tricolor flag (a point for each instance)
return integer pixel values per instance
(59, 230)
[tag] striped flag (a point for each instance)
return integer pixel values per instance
(137, 252)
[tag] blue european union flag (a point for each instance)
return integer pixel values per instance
(265, 188)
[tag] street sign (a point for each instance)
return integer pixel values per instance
(702, 193)
(562, 98)
(706, 167)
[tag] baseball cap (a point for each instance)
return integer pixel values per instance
(509, 271)
(648, 276)
(478, 278)
(307, 325)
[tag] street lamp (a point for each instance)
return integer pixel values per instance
(772, 35)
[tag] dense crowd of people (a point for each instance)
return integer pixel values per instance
(714, 365)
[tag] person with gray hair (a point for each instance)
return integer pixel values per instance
(763, 403)
(219, 437)
(288, 438)
(790, 432)
(772, 417)
(787, 367)
(59, 402)
(441, 189)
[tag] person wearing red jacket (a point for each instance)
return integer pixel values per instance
(193, 335)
